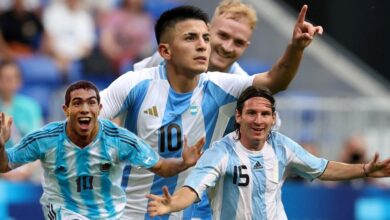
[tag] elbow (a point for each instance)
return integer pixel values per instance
(4, 169)
(279, 88)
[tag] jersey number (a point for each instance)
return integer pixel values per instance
(239, 176)
(84, 183)
(167, 136)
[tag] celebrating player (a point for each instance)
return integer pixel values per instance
(244, 172)
(83, 158)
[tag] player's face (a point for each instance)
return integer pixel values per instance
(229, 40)
(82, 114)
(190, 46)
(255, 122)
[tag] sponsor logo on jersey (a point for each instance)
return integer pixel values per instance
(152, 111)
(257, 166)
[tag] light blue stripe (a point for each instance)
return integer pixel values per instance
(84, 174)
(231, 193)
(172, 133)
(106, 181)
(214, 98)
(133, 104)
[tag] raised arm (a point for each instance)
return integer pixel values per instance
(172, 166)
(285, 69)
(344, 171)
(5, 133)
(167, 203)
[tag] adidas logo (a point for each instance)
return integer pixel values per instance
(152, 111)
(257, 166)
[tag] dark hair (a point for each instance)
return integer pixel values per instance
(171, 17)
(82, 84)
(248, 93)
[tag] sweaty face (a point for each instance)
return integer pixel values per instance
(255, 122)
(229, 39)
(189, 46)
(82, 114)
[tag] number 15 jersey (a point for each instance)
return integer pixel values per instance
(156, 113)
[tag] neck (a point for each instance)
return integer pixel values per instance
(180, 81)
(252, 145)
(214, 68)
(79, 140)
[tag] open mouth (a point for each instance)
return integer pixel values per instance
(84, 122)
(258, 130)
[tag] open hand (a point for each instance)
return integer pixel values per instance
(5, 128)
(159, 205)
(376, 168)
(192, 154)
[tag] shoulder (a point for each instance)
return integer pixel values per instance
(114, 131)
(148, 62)
(48, 132)
(224, 145)
(237, 69)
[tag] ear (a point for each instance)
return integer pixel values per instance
(274, 118)
(164, 50)
(238, 117)
(66, 110)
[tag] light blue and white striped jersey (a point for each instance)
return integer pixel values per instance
(162, 117)
(83, 181)
(246, 185)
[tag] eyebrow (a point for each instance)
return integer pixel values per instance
(87, 99)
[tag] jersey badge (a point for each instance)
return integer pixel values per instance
(193, 109)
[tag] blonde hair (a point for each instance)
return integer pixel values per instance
(235, 9)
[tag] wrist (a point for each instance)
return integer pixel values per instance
(365, 171)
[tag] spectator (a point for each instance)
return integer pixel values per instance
(127, 34)
(26, 113)
(21, 30)
(71, 31)
(354, 150)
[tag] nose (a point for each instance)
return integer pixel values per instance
(258, 119)
(85, 108)
(227, 45)
(202, 45)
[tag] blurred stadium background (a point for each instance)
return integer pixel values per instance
(342, 89)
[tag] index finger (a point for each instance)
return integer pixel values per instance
(302, 14)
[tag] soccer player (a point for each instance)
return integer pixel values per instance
(164, 103)
(244, 171)
(83, 158)
(231, 30)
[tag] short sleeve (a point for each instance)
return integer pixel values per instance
(301, 161)
(137, 152)
(210, 167)
(25, 152)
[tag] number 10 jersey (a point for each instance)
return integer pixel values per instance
(150, 108)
